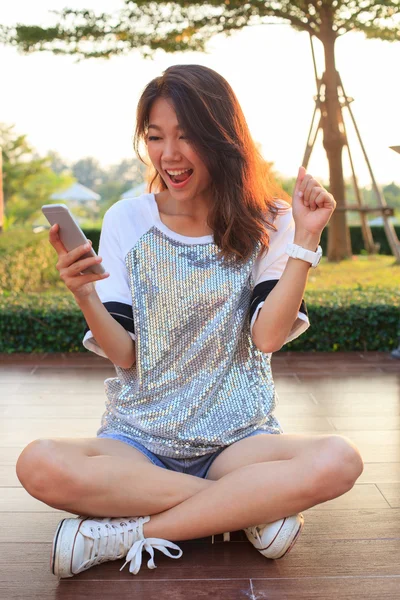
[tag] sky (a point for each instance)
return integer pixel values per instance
(87, 108)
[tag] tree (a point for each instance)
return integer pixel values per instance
(88, 172)
(128, 170)
(57, 163)
(28, 179)
(19, 161)
(186, 25)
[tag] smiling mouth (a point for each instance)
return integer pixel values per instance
(179, 176)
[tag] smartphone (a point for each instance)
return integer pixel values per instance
(70, 233)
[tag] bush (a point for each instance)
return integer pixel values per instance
(28, 261)
(29, 266)
(343, 320)
(40, 323)
(349, 320)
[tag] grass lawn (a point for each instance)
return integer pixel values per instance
(359, 272)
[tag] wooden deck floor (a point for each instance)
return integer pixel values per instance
(349, 549)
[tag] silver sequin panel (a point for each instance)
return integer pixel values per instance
(199, 382)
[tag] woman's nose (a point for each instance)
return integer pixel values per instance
(170, 151)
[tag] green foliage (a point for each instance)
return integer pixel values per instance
(186, 26)
(19, 163)
(348, 320)
(28, 261)
(341, 320)
(39, 323)
(30, 266)
(28, 179)
(88, 172)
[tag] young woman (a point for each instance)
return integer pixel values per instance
(205, 281)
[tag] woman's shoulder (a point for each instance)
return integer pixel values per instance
(128, 220)
(130, 208)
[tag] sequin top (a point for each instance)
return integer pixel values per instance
(199, 381)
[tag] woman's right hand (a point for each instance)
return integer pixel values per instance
(70, 266)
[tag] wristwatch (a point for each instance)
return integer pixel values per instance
(295, 251)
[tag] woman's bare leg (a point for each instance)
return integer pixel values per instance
(101, 477)
(80, 477)
(263, 492)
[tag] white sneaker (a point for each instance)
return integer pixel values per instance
(84, 542)
(276, 539)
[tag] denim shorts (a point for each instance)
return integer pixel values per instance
(197, 466)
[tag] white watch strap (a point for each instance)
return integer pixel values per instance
(301, 253)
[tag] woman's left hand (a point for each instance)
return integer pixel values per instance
(312, 205)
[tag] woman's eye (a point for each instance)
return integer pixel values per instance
(153, 138)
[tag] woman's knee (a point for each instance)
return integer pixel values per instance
(44, 475)
(337, 466)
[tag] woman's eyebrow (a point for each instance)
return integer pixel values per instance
(152, 126)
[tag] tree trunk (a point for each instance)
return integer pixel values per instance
(339, 243)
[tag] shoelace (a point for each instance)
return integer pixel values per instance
(255, 532)
(150, 544)
(112, 541)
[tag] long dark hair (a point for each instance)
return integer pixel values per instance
(209, 113)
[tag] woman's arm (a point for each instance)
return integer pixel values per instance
(112, 338)
(312, 207)
(279, 311)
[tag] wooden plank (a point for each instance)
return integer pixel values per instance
(9, 456)
(328, 588)
(53, 396)
(76, 589)
(20, 432)
(8, 476)
(380, 473)
(309, 558)
(370, 422)
(376, 446)
(18, 500)
(53, 410)
(343, 407)
(304, 424)
(361, 496)
(391, 491)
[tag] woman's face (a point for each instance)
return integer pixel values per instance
(173, 156)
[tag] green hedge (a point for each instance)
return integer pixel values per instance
(345, 320)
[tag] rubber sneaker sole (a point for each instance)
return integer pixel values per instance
(61, 552)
